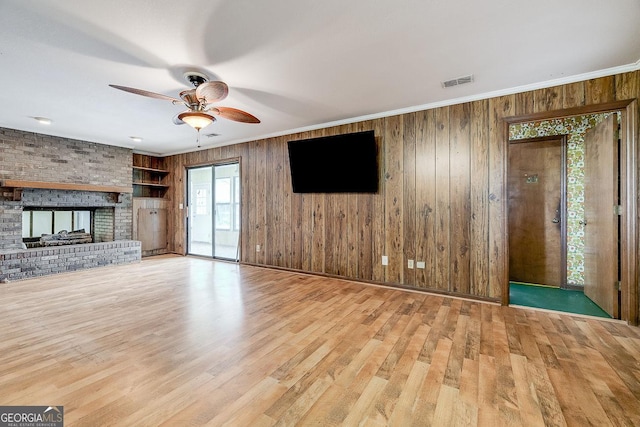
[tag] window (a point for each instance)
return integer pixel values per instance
(202, 201)
(228, 203)
(38, 222)
(223, 203)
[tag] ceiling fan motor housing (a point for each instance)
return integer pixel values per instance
(195, 78)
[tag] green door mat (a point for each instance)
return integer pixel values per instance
(553, 299)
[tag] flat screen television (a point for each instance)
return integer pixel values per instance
(335, 164)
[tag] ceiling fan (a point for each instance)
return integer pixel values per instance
(200, 113)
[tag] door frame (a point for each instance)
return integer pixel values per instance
(628, 195)
(229, 161)
(563, 197)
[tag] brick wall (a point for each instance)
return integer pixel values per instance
(10, 225)
(35, 157)
(17, 265)
(103, 225)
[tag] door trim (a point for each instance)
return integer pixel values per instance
(563, 198)
(185, 219)
(628, 196)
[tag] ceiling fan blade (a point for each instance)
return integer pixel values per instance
(234, 114)
(212, 92)
(146, 93)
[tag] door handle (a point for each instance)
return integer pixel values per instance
(583, 222)
(555, 220)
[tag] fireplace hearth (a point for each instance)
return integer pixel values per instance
(105, 239)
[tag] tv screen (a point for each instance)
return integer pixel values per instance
(335, 164)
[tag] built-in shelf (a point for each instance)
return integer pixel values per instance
(149, 177)
(159, 171)
(17, 186)
(151, 184)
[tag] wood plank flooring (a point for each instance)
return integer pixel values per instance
(179, 341)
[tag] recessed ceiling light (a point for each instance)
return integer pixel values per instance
(43, 120)
(136, 138)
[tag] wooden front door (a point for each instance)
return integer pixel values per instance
(537, 211)
(600, 219)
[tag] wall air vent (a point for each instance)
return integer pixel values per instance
(458, 81)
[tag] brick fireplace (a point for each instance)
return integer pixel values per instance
(33, 157)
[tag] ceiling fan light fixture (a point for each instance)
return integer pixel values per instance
(196, 119)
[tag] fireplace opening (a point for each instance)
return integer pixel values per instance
(43, 226)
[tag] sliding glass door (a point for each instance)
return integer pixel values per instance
(214, 211)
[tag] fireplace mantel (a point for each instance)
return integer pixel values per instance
(18, 185)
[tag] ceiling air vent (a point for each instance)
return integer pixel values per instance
(458, 81)
(211, 135)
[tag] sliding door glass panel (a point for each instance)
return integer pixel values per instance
(200, 204)
(214, 211)
(227, 208)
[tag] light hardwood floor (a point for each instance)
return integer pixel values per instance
(180, 341)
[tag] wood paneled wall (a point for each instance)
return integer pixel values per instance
(442, 180)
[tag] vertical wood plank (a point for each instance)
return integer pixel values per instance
(297, 222)
(598, 91)
(307, 231)
(353, 220)
(317, 249)
(525, 103)
(271, 203)
(261, 205)
(245, 201)
(378, 211)
(286, 229)
(339, 227)
(319, 213)
(627, 86)
(547, 99)
(426, 197)
(479, 169)
(179, 183)
(409, 198)
(498, 263)
(365, 223)
(573, 95)
(460, 195)
(393, 197)
(442, 200)
(365, 236)
(251, 190)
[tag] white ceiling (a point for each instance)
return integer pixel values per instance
(295, 64)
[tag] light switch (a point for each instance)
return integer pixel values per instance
(385, 260)
(410, 263)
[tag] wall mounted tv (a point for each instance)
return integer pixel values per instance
(335, 164)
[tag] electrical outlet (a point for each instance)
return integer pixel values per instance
(420, 264)
(410, 263)
(257, 248)
(385, 260)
